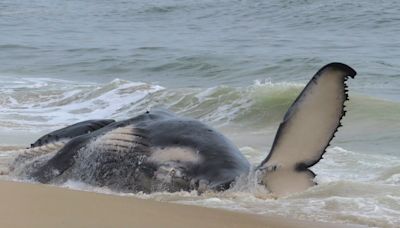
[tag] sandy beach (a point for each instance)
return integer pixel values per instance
(33, 205)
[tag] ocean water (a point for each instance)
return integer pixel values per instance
(236, 65)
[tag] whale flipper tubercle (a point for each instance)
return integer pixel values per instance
(306, 131)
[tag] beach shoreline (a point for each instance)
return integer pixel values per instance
(35, 205)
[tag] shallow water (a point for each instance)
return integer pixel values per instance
(236, 65)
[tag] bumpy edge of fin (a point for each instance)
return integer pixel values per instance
(301, 168)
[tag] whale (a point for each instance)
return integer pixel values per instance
(161, 151)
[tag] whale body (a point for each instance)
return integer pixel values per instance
(160, 151)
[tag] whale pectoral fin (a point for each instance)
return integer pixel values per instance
(72, 131)
(308, 126)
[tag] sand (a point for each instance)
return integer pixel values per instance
(35, 205)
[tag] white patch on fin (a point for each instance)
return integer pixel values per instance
(167, 154)
(308, 127)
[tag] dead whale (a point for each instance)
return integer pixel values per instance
(160, 151)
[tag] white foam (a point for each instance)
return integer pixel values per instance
(33, 103)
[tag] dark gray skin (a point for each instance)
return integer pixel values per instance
(220, 165)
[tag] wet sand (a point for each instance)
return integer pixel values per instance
(35, 205)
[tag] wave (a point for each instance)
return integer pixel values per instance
(54, 102)
(39, 102)
(44, 101)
